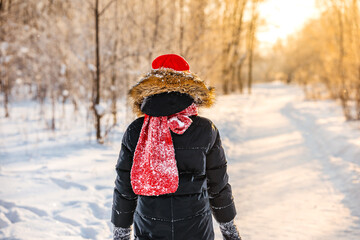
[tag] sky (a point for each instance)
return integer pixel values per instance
(283, 17)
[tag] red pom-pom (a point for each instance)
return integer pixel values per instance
(172, 61)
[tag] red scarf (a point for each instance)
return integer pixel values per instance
(154, 171)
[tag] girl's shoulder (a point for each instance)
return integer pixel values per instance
(136, 124)
(132, 133)
(204, 122)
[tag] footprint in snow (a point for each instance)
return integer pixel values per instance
(99, 212)
(66, 220)
(13, 209)
(88, 233)
(66, 184)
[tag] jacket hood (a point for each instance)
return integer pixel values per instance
(166, 80)
(165, 104)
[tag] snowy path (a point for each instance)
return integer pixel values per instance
(288, 175)
(294, 167)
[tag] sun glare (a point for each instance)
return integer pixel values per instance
(283, 17)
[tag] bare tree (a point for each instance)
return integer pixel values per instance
(96, 99)
(98, 111)
(232, 30)
(5, 7)
(251, 41)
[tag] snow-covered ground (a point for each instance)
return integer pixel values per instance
(294, 166)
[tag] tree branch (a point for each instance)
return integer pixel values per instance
(106, 7)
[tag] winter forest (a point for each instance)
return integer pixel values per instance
(287, 108)
(94, 50)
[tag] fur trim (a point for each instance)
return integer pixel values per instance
(168, 80)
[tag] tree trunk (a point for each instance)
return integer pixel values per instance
(251, 40)
(6, 90)
(250, 77)
(114, 71)
(239, 78)
(53, 109)
(5, 86)
(97, 75)
(156, 29)
(355, 8)
(358, 96)
(237, 59)
(344, 93)
(181, 30)
(233, 22)
(225, 86)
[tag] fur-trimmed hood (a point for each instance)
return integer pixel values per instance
(168, 80)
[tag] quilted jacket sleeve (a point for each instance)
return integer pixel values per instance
(221, 199)
(124, 199)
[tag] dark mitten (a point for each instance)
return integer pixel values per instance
(229, 231)
(122, 233)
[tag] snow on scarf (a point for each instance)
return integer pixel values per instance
(154, 171)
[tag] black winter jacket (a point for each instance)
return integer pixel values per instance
(203, 188)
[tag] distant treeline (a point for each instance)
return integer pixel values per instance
(325, 55)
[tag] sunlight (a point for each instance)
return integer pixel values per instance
(283, 17)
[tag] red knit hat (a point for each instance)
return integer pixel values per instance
(171, 61)
(171, 73)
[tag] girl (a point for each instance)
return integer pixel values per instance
(171, 171)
